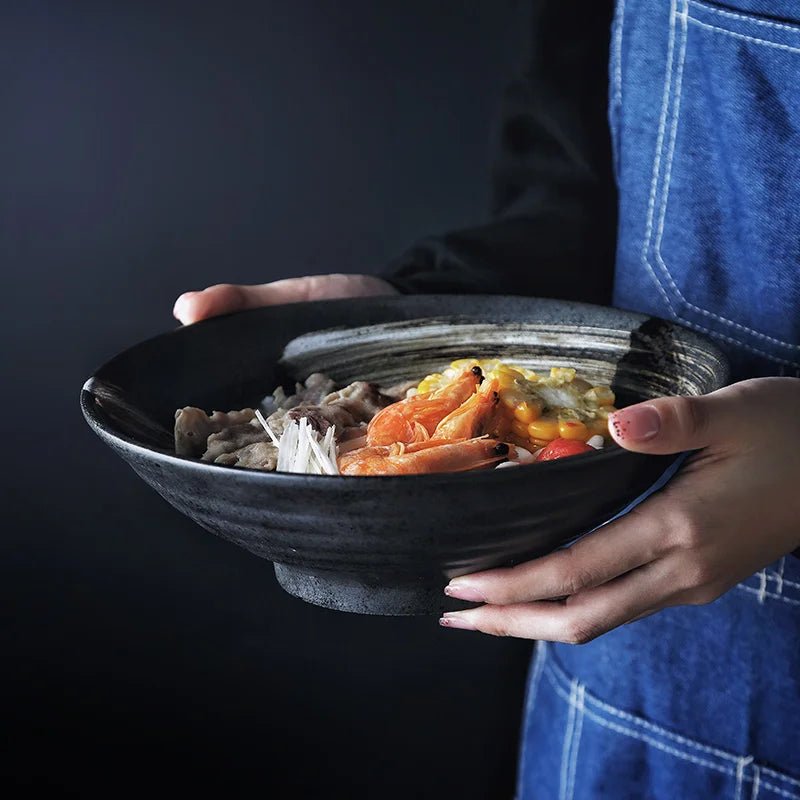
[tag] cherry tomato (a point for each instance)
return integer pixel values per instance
(559, 448)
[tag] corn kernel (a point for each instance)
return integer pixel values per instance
(601, 396)
(519, 428)
(572, 429)
(505, 378)
(527, 411)
(462, 364)
(565, 374)
(545, 427)
(430, 382)
(519, 441)
(511, 399)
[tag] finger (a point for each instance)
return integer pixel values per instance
(628, 543)
(674, 424)
(576, 620)
(227, 298)
(211, 302)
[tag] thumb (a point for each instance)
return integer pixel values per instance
(673, 424)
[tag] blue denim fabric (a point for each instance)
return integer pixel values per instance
(694, 702)
(705, 115)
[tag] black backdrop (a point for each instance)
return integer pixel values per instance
(149, 148)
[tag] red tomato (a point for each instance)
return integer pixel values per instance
(559, 448)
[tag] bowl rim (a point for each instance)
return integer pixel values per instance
(117, 438)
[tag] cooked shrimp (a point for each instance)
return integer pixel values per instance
(424, 457)
(415, 418)
(476, 416)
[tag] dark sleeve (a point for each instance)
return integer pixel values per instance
(552, 227)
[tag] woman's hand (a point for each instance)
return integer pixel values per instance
(733, 509)
(225, 298)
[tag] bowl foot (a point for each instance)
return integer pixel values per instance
(412, 597)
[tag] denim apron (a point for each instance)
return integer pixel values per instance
(695, 701)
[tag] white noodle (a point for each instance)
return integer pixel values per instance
(300, 448)
(267, 428)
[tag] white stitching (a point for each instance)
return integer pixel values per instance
(779, 776)
(717, 335)
(792, 28)
(540, 657)
(745, 36)
(762, 586)
(770, 595)
(555, 675)
(778, 790)
(618, 57)
(665, 199)
(657, 729)
(662, 125)
(779, 576)
(756, 779)
(741, 764)
(642, 737)
(676, 113)
(565, 748)
(576, 742)
(665, 193)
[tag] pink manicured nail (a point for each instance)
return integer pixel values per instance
(463, 591)
(454, 620)
(638, 423)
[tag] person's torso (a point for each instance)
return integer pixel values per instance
(705, 117)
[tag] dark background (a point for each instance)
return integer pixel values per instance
(147, 149)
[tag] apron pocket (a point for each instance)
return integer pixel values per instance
(576, 745)
(726, 179)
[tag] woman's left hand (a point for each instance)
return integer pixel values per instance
(733, 509)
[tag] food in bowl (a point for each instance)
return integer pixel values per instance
(474, 414)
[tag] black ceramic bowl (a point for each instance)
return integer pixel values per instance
(388, 545)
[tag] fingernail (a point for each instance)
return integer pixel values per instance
(637, 423)
(464, 591)
(179, 309)
(454, 620)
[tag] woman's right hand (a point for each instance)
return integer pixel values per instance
(225, 298)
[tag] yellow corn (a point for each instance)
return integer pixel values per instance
(601, 396)
(520, 428)
(572, 429)
(462, 364)
(521, 420)
(565, 374)
(528, 410)
(546, 428)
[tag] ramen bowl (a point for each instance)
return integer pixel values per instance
(389, 544)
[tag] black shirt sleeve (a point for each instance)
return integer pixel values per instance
(552, 226)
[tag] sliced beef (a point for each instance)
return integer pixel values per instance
(233, 438)
(237, 438)
(258, 455)
(193, 427)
